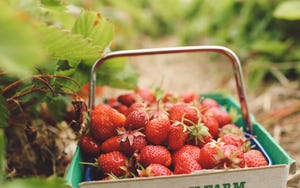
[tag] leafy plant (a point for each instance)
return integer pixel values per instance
(46, 53)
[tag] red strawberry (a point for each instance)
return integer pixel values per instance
(177, 136)
(89, 145)
(132, 141)
(127, 99)
(208, 103)
(136, 119)
(233, 139)
(123, 109)
(194, 151)
(212, 124)
(184, 113)
(199, 134)
(155, 170)
(231, 129)
(155, 154)
(104, 121)
(209, 155)
(220, 114)
(190, 97)
(186, 165)
(255, 158)
(111, 144)
(157, 130)
(114, 163)
(232, 157)
(145, 95)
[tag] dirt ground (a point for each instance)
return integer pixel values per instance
(276, 106)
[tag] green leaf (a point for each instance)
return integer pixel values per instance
(51, 2)
(64, 45)
(37, 182)
(288, 10)
(20, 47)
(95, 27)
(57, 107)
(3, 112)
(117, 73)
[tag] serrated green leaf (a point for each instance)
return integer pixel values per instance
(288, 10)
(95, 27)
(3, 112)
(64, 45)
(20, 48)
(37, 182)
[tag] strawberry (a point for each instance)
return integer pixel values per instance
(208, 103)
(199, 134)
(177, 136)
(145, 95)
(233, 139)
(132, 141)
(189, 97)
(157, 130)
(123, 109)
(184, 113)
(255, 158)
(232, 157)
(114, 163)
(155, 154)
(111, 144)
(155, 170)
(212, 124)
(186, 165)
(127, 99)
(194, 151)
(136, 119)
(209, 155)
(89, 145)
(104, 121)
(220, 114)
(231, 129)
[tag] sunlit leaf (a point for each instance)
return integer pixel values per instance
(20, 47)
(95, 27)
(64, 45)
(288, 10)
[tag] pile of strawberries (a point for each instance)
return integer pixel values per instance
(141, 134)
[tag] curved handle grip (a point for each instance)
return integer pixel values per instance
(238, 75)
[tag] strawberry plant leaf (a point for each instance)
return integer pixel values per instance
(17, 49)
(288, 10)
(95, 27)
(64, 45)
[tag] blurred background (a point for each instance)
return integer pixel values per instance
(47, 48)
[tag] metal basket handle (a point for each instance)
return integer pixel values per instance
(238, 75)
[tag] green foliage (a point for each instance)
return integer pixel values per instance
(288, 10)
(258, 31)
(19, 43)
(37, 182)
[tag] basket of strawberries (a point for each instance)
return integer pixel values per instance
(139, 136)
